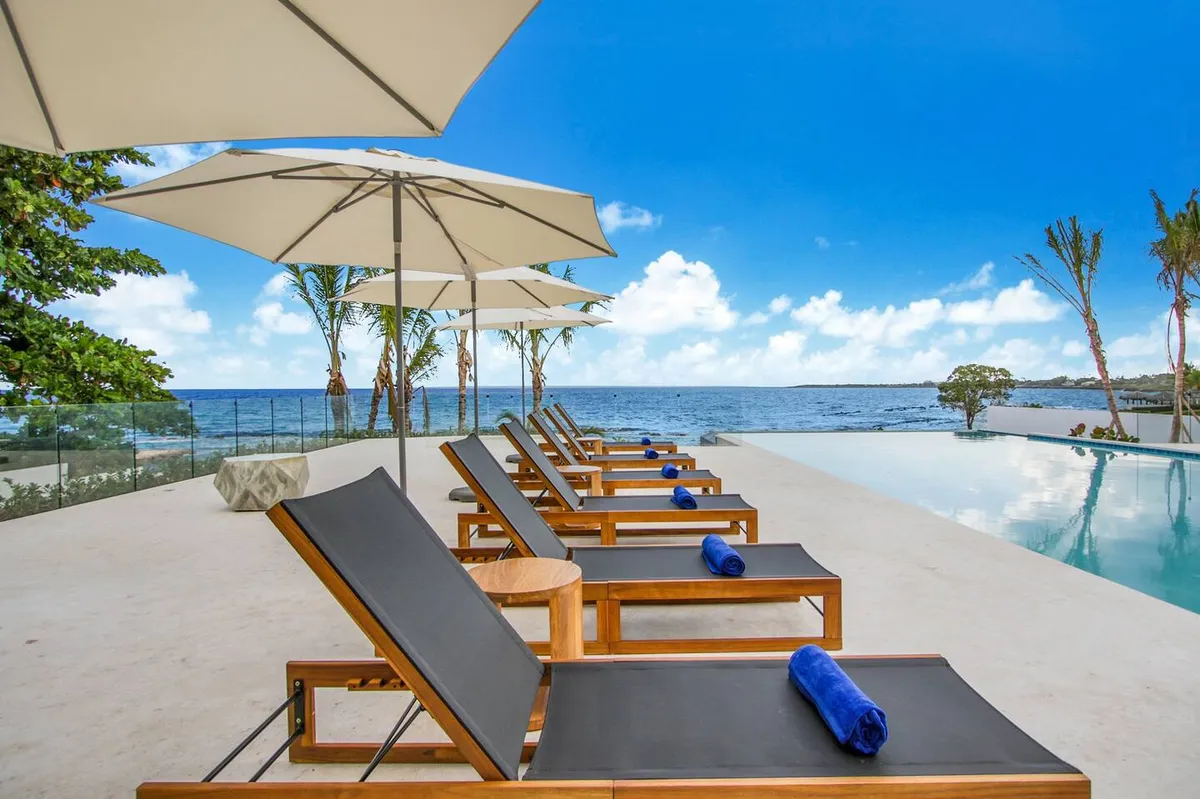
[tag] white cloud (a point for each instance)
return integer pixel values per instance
(1020, 303)
(822, 243)
(617, 215)
(674, 295)
(277, 285)
(271, 318)
(168, 158)
(1073, 349)
(777, 306)
(1018, 355)
(891, 327)
(980, 280)
(152, 312)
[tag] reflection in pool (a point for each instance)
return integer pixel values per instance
(1126, 516)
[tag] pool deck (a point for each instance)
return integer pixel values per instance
(144, 635)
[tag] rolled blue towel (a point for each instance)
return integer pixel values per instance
(850, 715)
(683, 498)
(645, 441)
(720, 557)
(652, 454)
(670, 471)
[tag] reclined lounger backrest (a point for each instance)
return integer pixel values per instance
(501, 497)
(566, 417)
(402, 576)
(573, 442)
(543, 428)
(559, 485)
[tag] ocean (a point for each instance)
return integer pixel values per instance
(684, 413)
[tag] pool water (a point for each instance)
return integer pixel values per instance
(1128, 517)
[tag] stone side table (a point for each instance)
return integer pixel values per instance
(256, 482)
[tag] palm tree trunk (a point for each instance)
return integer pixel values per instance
(383, 376)
(1180, 317)
(536, 378)
(464, 368)
(1097, 346)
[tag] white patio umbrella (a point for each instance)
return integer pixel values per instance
(521, 320)
(239, 69)
(516, 288)
(376, 208)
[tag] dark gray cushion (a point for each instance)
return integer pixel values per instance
(736, 719)
(618, 475)
(663, 457)
(541, 464)
(497, 487)
(409, 581)
(604, 564)
(651, 502)
(542, 425)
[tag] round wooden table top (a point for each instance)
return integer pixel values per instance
(582, 468)
(525, 579)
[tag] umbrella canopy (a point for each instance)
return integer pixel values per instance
(240, 69)
(346, 206)
(517, 287)
(520, 319)
(523, 319)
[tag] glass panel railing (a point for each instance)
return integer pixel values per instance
(162, 439)
(215, 434)
(96, 451)
(30, 474)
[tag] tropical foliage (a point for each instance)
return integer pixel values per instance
(538, 344)
(1079, 253)
(45, 356)
(423, 353)
(972, 387)
(1178, 250)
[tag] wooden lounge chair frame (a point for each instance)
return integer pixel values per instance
(571, 521)
(607, 447)
(398, 671)
(533, 480)
(610, 596)
(574, 454)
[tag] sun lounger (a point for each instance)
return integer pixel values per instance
(608, 517)
(614, 729)
(559, 414)
(610, 482)
(576, 454)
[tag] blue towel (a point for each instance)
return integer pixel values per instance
(850, 715)
(670, 471)
(683, 498)
(652, 454)
(720, 557)
(645, 441)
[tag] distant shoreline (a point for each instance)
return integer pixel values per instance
(934, 385)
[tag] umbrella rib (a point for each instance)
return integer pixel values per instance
(332, 210)
(424, 204)
(455, 194)
(438, 296)
(333, 178)
(521, 286)
(360, 66)
(535, 218)
(344, 205)
(33, 82)
(273, 173)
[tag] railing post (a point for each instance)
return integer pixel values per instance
(326, 420)
(301, 424)
(133, 425)
(272, 425)
(192, 431)
(58, 456)
(237, 444)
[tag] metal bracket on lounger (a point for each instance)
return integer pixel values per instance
(402, 724)
(296, 701)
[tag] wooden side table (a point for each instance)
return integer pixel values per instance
(595, 442)
(594, 474)
(559, 582)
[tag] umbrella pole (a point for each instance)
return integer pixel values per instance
(475, 354)
(521, 343)
(402, 416)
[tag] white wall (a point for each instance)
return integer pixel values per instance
(1151, 428)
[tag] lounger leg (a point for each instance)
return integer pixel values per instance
(752, 528)
(464, 533)
(608, 623)
(608, 534)
(831, 606)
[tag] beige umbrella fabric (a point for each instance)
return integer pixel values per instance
(169, 72)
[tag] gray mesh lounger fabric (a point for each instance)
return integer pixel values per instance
(732, 719)
(649, 502)
(557, 413)
(417, 592)
(655, 474)
(616, 564)
(665, 457)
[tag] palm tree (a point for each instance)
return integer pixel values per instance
(1079, 253)
(1179, 252)
(463, 361)
(422, 350)
(383, 321)
(539, 343)
(318, 287)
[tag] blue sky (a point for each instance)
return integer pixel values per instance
(861, 164)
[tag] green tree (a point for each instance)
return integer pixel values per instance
(974, 386)
(383, 320)
(539, 343)
(44, 356)
(422, 353)
(1179, 252)
(1079, 253)
(319, 287)
(462, 353)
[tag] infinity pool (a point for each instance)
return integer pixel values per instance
(1128, 517)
